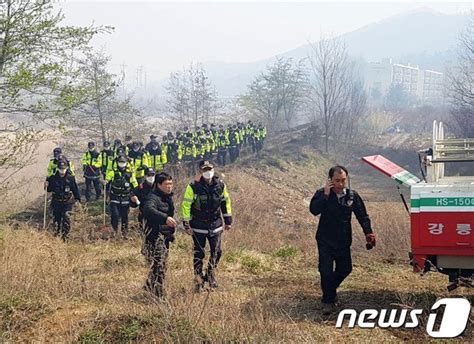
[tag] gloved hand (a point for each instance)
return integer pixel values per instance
(370, 238)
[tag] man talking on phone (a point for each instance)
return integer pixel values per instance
(336, 203)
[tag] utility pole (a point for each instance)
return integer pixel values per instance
(140, 76)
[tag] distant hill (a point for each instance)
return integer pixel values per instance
(424, 37)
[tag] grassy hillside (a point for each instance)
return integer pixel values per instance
(90, 290)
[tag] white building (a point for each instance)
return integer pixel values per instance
(422, 85)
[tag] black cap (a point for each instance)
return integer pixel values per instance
(117, 142)
(121, 158)
(57, 150)
(62, 164)
(91, 144)
(153, 137)
(106, 144)
(149, 171)
(205, 165)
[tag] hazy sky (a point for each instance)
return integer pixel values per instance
(165, 36)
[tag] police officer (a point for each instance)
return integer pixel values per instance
(189, 155)
(138, 160)
(119, 148)
(336, 203)
(206, 201)
(174, 150)
(107, 157)
(91, 166)
(121, 181)
(156, 158)
(65, 192)
(53, 162)
(234, 140)
(222, 145)
(160, 227)
(152, 139)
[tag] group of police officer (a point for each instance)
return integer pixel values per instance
(134, 177)
(125, 166)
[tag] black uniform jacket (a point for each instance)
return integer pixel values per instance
(334, 228)
(63, 188)
(157, 208)
(142, 191)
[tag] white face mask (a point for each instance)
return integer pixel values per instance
(208, 174)
(150, 180)
(122, 164)
(62, 171)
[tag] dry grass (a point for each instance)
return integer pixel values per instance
(90, 290)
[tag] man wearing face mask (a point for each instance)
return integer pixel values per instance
(156, 157)
(140, 194)
(91, 166)
(206, 211)
(119, 148)
(160, 227)
(53, 165)
(139, 161)
(336, 204)
(65, 192)
(121, 181)
(148, 145)
(189, 155)
(107, 157)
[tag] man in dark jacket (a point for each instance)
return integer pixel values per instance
(65, 192)
(336, 204)
(120, 183)
(142, 191)
(159, 227)
(205, 202)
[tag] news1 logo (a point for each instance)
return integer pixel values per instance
(453, 322)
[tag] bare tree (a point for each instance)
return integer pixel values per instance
(275, 96)
(462, 83)
(35, 67)
(100, 112)
(191, 97)
(356, 110)
(329, 84)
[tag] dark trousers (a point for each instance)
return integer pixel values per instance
(221, 157)
(62, 218)
(199, 252)
(253, 145)
(232, 153)
(97, 187)
(157, 246)
(332, 277)
(119, 212)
